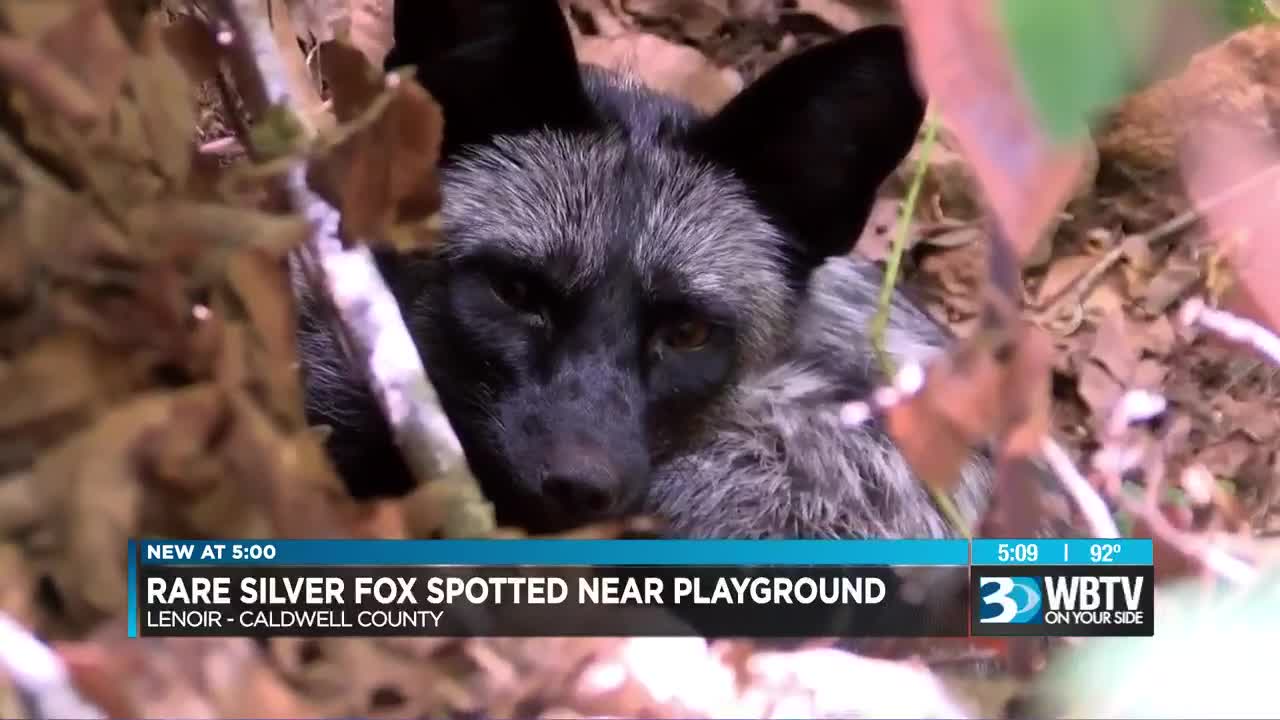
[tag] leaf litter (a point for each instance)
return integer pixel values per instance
(146, 343)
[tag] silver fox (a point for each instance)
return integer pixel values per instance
(640, 309)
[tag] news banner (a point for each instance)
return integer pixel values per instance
(712, 588)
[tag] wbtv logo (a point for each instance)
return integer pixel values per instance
(1064, 603)
(1009, 600)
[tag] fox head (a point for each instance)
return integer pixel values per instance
(613, 261)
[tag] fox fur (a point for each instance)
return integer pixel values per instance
(637, 308)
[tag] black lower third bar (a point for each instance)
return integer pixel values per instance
(759, 602)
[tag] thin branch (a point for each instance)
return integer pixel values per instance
(1079, 288)
(1209, 556)
(348, 281)
(1233, 327)
(880, 323)
(1091, 505)
(40, 675)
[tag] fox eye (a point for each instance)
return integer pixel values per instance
(687, 335)
(514, 292)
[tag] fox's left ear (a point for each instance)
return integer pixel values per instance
(816, 136)
(497, 67)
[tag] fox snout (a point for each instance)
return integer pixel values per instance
(576, 448)
(582, 480)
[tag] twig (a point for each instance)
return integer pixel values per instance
(369, 321)
(1077, 289)
(1195, 312)
(1209, 556)
(1135, 406)
(40, 675)
(1091, 505)
(222, 146)
(880, 322)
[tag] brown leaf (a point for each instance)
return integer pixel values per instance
(262, 289)
(180, 677)
(1158, 337)
(99, 676)
(92, 487)
(82, 37)
(382, 174)
(1224, 459)
(166, 103)
(371, 28)
(699, 19)
(286, 474)
(53, 389)
(190, 41)
(838, 15)
(1169, 286)
(1150, 375)
(969, 396)
(1231, 159)
(354, 82)
(664, 66)
(961, 58)
(24, 64)
(304, 96)
(17, 597)
(1061, 275)
(1113, 348)
(1253, 417)
(1099, 389)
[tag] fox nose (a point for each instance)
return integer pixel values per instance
(582, 481)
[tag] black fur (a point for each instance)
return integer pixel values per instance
(623, 279)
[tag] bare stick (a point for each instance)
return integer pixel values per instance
(368, 319)
(1232, 327)
(1091, 505)
(1079, 288)
(40, 675)
(1210, 557)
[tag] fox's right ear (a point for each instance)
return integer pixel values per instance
(497, 67)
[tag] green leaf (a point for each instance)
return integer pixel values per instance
(1077, 56)
(1240, 14)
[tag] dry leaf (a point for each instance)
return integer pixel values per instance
(82, 38)
(382, 174)
(961, 58)
(663, 66)
(1114, 349)
(836, 14)
(371, 28)
(191, 43)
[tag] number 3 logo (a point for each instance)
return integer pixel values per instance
(1005, 597)
(1000, 596)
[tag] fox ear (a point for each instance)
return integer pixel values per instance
(497, 67)
(816, 136)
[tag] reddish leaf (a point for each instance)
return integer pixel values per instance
(962, 62)
(1219, 160)
(382, 174)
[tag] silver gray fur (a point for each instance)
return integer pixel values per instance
(797, 470)
(771, 457)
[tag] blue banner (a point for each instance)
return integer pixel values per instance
(1073, 551)
(553, 552)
